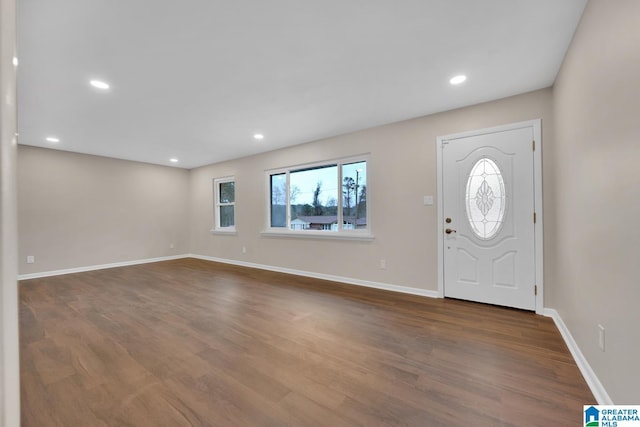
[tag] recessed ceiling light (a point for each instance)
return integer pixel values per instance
(99, 84)
(258, 136)
(458, 79)
(173, 160)
(53, 139)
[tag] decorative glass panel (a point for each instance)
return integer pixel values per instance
(485, 199)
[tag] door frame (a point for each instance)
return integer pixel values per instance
(535, 125)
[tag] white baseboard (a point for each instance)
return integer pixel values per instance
(590, 377)
(341, 279)
(97, 267)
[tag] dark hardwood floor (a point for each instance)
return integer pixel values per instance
(192, 342)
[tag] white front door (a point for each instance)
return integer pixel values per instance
(488, 205)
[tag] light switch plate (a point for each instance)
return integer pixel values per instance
(428, 200)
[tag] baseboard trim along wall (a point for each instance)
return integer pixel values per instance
(341, 279)
(590, 377)
(97, 267)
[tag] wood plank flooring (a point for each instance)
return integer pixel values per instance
(191, 342)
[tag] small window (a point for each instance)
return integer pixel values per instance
(323, 198)
(225, 204)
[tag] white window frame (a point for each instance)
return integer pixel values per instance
(340, 232)
(217, 229)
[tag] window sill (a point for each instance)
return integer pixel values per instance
(332, 235)
(224, 232)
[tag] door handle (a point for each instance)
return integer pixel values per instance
(449, 231)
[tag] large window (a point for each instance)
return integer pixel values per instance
(329, 197)
(225, 204)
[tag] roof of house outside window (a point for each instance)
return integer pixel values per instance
(329, 219)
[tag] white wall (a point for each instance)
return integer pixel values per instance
(402, 169)
(77, 210)
(9, 371)
(596, 193)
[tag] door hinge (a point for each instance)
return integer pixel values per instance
(535, 290)
(535, 217)
(533, 145)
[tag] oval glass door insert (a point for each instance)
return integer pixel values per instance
(485, 199)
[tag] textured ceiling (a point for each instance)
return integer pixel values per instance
(196, 79)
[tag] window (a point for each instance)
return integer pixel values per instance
(485, 199)
(225, 204)
(328, 198)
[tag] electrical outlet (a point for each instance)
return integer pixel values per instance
(31, 259)
(601, 337)
(383, 264)
(244, 249)
(171, 246)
